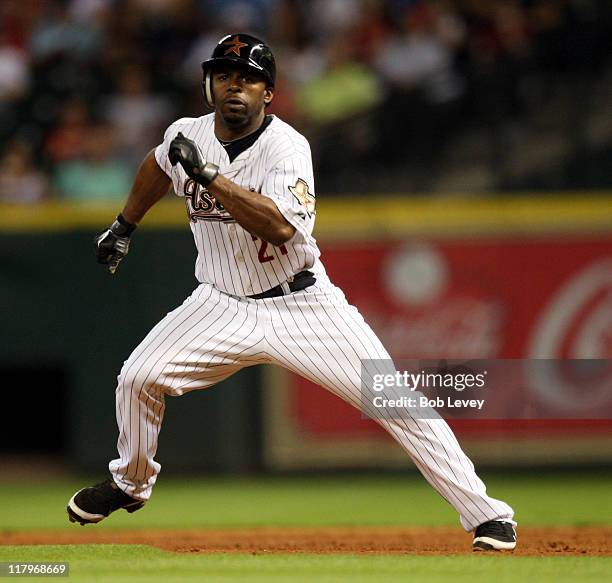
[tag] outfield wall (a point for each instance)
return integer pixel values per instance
(487, 270)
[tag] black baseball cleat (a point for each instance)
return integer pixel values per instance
(495, 535)
(93, 504)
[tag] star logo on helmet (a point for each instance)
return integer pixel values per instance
(235, 45)
(300, 191)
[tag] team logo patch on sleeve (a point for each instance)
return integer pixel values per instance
(307, 200)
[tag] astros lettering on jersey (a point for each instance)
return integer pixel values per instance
(278, 165)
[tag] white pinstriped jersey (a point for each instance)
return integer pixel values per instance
(314, 332)
(277, 165)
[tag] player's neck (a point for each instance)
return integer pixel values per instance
(227, 133)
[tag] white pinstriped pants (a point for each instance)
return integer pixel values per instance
(314, 333)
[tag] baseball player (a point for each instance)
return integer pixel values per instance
(263, 294)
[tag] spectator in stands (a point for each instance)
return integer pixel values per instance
(418, 59)
(371, 30)
(89, 10)
(14, 71)
(432, 65)
(59, 35)
(67, 140)
(344, 88)
(332, 18)
(100, 174)
(137, 114)
(20, 182)
(418, 65)
(14, 82)
(330, 105)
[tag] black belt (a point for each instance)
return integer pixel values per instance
(300, 281)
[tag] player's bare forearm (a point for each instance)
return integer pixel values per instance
(255, 212)
(150, 185)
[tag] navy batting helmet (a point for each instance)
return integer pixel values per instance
(241, 49)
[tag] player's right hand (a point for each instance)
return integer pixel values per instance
(113, 244)
(186, 152)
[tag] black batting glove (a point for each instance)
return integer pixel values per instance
(113, 244)
(185, 152)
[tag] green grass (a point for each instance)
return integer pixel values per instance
(141, 563)
(345, 500)
(548, 499)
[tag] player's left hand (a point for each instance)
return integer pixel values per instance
(186, 153)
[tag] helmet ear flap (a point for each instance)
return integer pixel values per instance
(207, 89)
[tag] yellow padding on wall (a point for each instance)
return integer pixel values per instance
(376, 216)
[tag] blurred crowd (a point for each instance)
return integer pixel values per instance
(87, 87)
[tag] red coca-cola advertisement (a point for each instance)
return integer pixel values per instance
(490, 298)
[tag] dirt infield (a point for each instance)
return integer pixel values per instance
(555, 541)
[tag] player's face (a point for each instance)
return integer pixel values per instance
(240, 95)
